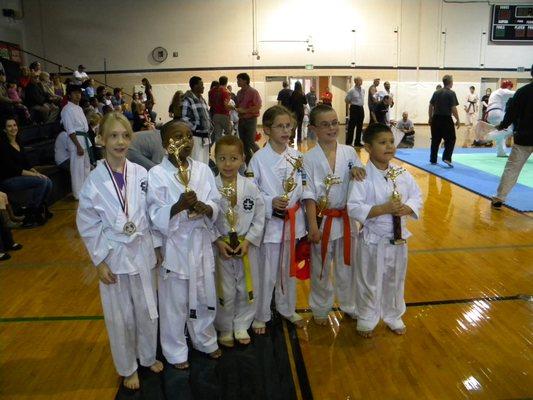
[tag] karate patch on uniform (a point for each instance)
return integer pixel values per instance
(144, 186)
(350, 165)
(248, 204)
(249, 174)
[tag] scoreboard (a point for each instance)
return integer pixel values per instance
(512, 23)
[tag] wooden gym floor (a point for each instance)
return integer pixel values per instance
(469, 314)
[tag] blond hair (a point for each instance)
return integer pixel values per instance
(108, 120)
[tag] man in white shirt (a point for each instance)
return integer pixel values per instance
(61, 151)
(406, 126)
(355, 98)
(80, 75)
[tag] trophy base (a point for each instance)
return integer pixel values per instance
(319, 220)
(398, 241)
(279, 214)
(193, 215)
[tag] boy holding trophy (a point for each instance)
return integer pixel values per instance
(330, 167)
(240, 223)
(381, 203)
(278, 170)
(183, 205)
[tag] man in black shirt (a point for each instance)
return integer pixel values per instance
(442, 106)
(519, 113)
(284, 95)
(381, 110)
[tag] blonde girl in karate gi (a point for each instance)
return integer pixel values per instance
(285, 222)
(381, 265)
(113, 223)
(236, 268)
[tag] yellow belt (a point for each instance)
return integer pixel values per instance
(247, 276)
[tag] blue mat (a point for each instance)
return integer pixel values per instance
(520, 198)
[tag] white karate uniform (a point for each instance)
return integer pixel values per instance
(323, 289)
(236, 313)
(61, 148)
(130, 309)
(495, 113)
(471, 108)
(73, 120)
(186, 279)
(381, 266)
(270, 168)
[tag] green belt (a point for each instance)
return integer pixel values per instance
(88, 144)
(247, 277)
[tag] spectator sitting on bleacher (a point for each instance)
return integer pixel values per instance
(141, 118)
(16, 174)
(61, 151)
(107, 99)
(38, 102)
(75, 123)
(93, 107)
(13, 92)
(60, 89)
(80, 75)
(93, 120)
(25, 77)
(6, 238)
(88, 85)
(35, 69)
(7, 106)
(48, 88)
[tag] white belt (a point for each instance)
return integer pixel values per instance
(144, 276)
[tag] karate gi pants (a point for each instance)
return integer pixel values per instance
(174, 315)
(339, 282)
(380, 281)
(132, 334)
(236, 313)
(80, 167)
(271, 277)
(494, 117)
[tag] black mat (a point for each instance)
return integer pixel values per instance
(258, 371)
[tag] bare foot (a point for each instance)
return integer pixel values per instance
(259, 327)
(320, 321)
(298, 321)
(365, 334)
(132, 382)
(399, 331)
(242, 337)
(182, 366)
(156, 367)
(215, 355)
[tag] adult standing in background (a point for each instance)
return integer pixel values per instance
(442, 106)
(248, 106)
(174, 109)
(284, 95)
(311, 97)
(519, 113)
(232, 95)
(356, 99)
(485, 103)
(195, 113)
(221, 108)
(297, 102)
(150, 101)
(372, 99)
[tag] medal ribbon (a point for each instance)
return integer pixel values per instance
(122, 198)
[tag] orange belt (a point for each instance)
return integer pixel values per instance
(290, 216)
(330, 214)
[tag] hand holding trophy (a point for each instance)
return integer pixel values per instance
(323, 201)
(392, 174)
(229, 193)
(183, 174)
(289, 183)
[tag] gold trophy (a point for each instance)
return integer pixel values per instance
(392, 174)
(183, 174)
(229, 193)
(323, 201)
(289, 183)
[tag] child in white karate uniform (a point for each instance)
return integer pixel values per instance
(183, 205)
(113, 223)
(285, 223)
(236, 267)
(381, 265)
(333, 248)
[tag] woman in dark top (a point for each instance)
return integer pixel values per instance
(16, 174)
(297, 102)
(150, 102)
(485, 103)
